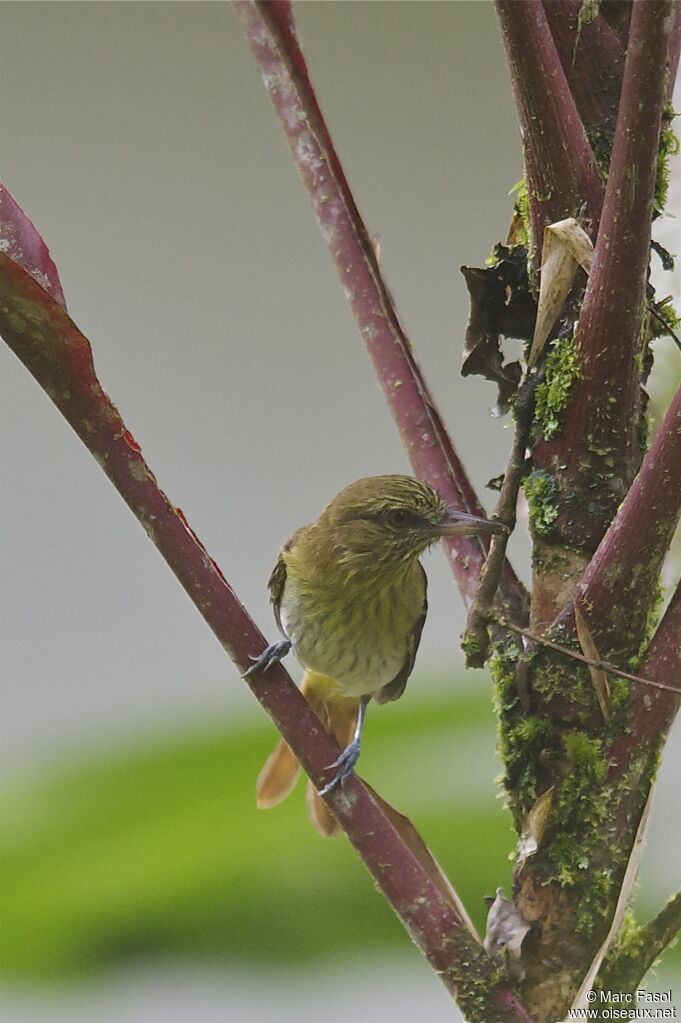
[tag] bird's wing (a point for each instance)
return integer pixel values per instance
(277, 579)
(393, 690)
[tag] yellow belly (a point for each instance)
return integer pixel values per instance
(361, 641)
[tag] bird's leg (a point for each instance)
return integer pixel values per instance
(271, 655)
(350, 755)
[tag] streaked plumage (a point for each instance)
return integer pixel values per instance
(349, 595)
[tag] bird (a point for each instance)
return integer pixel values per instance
(349, 596)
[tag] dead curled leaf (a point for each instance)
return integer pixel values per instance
(501, 306)
(420, 850)
(505, 931)
(566, 246)
(599, 678)
(535, 825)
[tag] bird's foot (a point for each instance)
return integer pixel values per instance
(271, 655)
(345, 764)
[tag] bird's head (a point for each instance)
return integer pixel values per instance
(390, 520)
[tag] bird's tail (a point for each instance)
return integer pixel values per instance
(338, 713)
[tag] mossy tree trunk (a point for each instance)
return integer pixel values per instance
(594, 117)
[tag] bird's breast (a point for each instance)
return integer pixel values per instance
(360, 636)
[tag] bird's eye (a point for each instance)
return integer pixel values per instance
(397, 517)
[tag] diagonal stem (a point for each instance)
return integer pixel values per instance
(54, 351)
(561, 170)
(269, 30)
(627, 967)
(594, 444)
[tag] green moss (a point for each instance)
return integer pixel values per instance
(668, 313)
(626, 961)
(582, 803)
(541, 492)
(519, 739)
(580, 807)
(534, 730)
(655, 601)
(522, 211)
(601, 138)
(669, 146)
(582, 811)
(539, 750)
(502, 664)
(586, 756)
(470, 645)
(553, 393)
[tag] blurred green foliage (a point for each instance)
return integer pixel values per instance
(158, 848)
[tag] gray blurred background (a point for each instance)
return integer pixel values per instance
(140, 141)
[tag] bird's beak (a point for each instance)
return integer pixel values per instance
(458, 523)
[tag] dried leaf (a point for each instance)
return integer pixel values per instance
(501, 306)
(413, 840)
(566, 245)
(599, 678)
(535, 825)
(517, 232)
(505, 930)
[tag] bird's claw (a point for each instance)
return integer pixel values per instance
(345, 764)
(271, 655)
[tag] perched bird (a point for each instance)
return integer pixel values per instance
(349, 596)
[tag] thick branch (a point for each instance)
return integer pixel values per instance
(652, 713)
(593, 62)
(23, 243)
(674, 51)
(599, 447)
(615, 590)
(624, 570)
(561, 171)
(59, 357)
(268, 27)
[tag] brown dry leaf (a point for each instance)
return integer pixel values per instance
(505, 930)
(566, 245)
(535, 824)
(501, 306)
(413, 840)
(599, 677)
(517, 232)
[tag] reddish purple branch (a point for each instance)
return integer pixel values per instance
(653, 710)
(561, 171)
(599, 437)
(59, 357)
(23, 243)
(627, 563)
(269, 30)
(592, 59)
(674, 50)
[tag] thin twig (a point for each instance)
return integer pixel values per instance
(602, 665)
(663, 323)
(476, 636)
